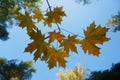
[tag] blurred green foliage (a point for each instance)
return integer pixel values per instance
(9, 9)
(11, 70)
(108, 74)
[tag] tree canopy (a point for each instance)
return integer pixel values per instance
(73, 74)
(112, 74)
(11, 70)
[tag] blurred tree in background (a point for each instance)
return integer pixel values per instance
(114, 22)
(72, 74)
(84, 2)
(3, 33)
(11, 70)
(112, 74)
(9, 9)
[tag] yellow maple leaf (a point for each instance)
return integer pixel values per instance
(70, 43)
(49, 20)
(54, 16)
(55, 56)
(93, 35)
(26, 21)
(38, 46)
(58, 13)
(38, 15)
(55, 36)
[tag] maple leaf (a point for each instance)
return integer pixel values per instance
(38, 15)
(94, 35)
(70, 43)
(38, 45)
(55, 56)
(58, 13)
(54, 16)
(55, 35)
(26, 21)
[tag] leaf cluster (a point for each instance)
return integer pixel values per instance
(42, 45)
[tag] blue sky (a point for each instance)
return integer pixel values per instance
(78, 18)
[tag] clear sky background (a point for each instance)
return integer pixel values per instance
(78, 18)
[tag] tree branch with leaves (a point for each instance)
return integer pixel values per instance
(42, 45)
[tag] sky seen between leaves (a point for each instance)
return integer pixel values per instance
(78, 18)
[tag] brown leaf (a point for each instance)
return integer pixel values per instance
(70, 43)
(26, 21)
(38, 15)
(38, 46)
(94, 35)
(55, 56)
(55, 36)
(54, 16)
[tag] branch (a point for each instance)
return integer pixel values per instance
(49, 5)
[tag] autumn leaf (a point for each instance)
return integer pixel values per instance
(94, 35)
(55, 56)
(70, 43)
(26, 21)
(55, 36)
(54, 16)
(38, 46)
(38, 15)
(58, 13)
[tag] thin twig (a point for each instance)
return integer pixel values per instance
(71, 32)
(49, 5)
(58, 27)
